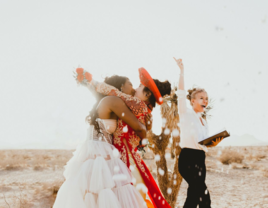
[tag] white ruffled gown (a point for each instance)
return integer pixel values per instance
(95, 175)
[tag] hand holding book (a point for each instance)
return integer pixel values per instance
(215, 143)
(215, 139)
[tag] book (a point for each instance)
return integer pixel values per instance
(223, 133)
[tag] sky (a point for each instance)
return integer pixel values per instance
(223, 45)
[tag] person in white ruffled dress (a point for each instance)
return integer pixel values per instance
(95, 176)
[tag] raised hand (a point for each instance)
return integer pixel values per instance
(81, 74)
(179, 63)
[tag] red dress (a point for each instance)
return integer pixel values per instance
(124, 131)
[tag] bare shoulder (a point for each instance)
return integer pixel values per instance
(112, 100)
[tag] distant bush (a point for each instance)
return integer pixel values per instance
(229, 156)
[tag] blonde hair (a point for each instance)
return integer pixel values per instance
(193, 92)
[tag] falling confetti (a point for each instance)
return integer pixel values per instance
(141, 186)
(145, 142)
(131, 168)
(125, 129)
(167, 131)
(164, 121)
(119, 177)
(157, 158)
(116, 153)
(161, 171)
(167, 155)
(175, 133)
(116, 169)
(171, 140)
(134, 181)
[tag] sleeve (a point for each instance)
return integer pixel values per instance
(136, 105)
(182, 101)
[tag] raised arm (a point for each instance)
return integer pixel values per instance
(135, 104)
(181, 79)
(117, 106)
(181, 91)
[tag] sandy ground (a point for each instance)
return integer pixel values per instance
(34, 183)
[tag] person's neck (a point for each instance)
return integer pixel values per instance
(197, 112)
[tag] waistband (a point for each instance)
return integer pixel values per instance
(193, 151)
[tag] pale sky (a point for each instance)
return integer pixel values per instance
(223, 45)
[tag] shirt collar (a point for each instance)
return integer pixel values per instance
(199, 115)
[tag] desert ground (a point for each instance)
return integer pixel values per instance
(236, 177)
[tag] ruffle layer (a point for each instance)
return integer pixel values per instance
(89, 149)
(97, 178)
(129, 197)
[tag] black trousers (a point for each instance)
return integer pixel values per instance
(193, 169)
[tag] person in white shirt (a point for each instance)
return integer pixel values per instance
(193, 129)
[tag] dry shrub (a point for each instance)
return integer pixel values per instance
(35, 159)
(12, 160)
(229, 156)
(259, 156)
(4, 188)
(13, 164)
(47, 193)
(256, 157)
(265, 172)
(19, 200)
(160, 143)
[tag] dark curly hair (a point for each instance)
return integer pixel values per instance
(115, 81)
(164, 88)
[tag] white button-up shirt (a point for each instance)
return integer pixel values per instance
(192, 130)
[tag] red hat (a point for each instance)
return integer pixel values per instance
(148, 81)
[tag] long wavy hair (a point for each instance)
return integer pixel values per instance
(115, 81)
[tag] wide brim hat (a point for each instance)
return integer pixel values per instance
(147, 81)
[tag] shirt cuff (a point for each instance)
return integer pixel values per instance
(181, 93)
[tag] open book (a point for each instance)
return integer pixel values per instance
(223, 133)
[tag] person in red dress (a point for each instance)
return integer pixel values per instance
(125, 139)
